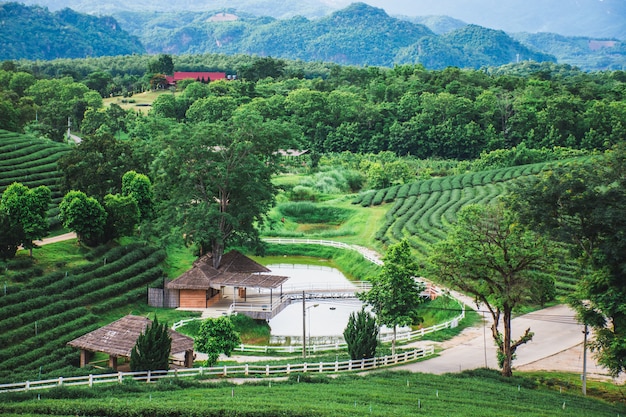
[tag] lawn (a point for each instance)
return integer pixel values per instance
(478, 393)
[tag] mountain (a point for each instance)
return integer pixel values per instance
(588, 18)
(469, 47)
(358, 35)
(36, 33)
(586, 53)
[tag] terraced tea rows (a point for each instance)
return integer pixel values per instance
(422, 210)
(32, 162)
(38, 319)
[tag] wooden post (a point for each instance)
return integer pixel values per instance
(113, 362)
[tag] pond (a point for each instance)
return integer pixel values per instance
(326, 319)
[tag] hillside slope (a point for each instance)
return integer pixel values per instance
(36, 33)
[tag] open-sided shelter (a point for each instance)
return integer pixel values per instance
(118, 339)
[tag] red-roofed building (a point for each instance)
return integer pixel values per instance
(197, 76)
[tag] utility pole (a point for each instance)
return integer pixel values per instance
(585, 333)
(303, 326)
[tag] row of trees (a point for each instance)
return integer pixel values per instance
(407, 109)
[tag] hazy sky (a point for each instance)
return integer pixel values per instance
(571, 17)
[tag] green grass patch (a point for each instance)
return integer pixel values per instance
(439, 310)
(388, 393)
(350, 263)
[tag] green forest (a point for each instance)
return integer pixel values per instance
(385, 156)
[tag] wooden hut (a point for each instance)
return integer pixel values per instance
(118, 339)
(204, 284)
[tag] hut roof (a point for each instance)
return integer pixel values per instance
(197, 278)
(234, 261)
(236, 270)
(119, 337)
(249, 280)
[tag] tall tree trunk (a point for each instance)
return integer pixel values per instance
(506, 344)
(217, 250)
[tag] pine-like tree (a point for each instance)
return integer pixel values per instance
(361, 335)
(152, 349)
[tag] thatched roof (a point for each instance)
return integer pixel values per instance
(236, 270)
(233, 261)
(249, 280)
(197, 278)
(119, 338)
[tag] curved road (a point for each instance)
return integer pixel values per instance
(555, 330)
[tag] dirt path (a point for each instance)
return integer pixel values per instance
(55, 239)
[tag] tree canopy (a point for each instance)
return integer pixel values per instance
(214, 180)
(395, 293)
(491, 256)
(584, 205)
(152, 349)
(25, 213)
(217, 336)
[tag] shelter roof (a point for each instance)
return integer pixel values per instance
(249, 280)
(234, 261)
(119, 337)
(236, 270)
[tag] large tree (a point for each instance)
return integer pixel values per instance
(395, 294)
(489, 255)
(584, 204)
(83, 215)
(214, 180)
(26, 209)
(97, 164)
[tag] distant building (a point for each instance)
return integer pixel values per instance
(198, 76)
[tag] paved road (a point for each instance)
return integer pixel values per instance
(555, 329)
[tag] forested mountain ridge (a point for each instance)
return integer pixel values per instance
(36, 33)
(588, 18)
(357, 35)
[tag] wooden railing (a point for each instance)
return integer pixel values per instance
(243, 370)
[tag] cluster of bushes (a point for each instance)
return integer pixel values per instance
(307, 212)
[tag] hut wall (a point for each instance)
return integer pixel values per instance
(167, 298)
(193, 298)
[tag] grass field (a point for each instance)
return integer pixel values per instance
(138, 102)
(478, 393)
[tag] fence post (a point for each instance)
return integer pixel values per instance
(362, 363)
(267, 370)
(27, 385)
(119, 377)
(288, 368)
(90, 380)
(246, 369)
(321, 367)
(60, 380)
(225, 370)
(304, 367)
(149, 373)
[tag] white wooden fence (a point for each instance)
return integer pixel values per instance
(243, 370)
